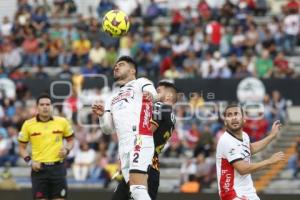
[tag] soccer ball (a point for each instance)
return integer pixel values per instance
(115, 23)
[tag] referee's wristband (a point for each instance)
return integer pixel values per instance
(27, 159)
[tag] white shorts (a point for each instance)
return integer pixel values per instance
(139, 156)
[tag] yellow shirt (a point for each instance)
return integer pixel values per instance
(46, 138)
(81, 46)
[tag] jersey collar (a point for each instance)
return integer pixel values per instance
(38, 119)
(230, 133)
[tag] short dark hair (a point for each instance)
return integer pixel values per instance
(129, 60)
(233, 105)
(43, 96)
(170, 86)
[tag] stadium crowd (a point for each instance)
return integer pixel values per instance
(217, 39)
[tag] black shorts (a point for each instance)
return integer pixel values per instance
(50, 182)
(122, 190)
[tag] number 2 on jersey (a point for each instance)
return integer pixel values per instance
(136, 157)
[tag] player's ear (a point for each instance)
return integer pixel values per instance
(132, 71)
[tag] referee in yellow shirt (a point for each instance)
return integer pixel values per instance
(46, 133)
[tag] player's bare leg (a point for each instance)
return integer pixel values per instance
(138, 186)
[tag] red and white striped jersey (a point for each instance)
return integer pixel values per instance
(232, 185)
(131, 113)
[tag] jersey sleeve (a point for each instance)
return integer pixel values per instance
(230, 151)
(24, 133)
(68, 131)
(107, 105)
(147, 86)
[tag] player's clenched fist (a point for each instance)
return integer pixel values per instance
(276, 128)
(98, 109)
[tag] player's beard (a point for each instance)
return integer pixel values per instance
(235, 129)
(120, 77)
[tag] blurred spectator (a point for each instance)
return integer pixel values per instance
(30, 47)
(40, 73)
(191, 186)
(81, 24)
(174, 149)
(104, 6)
(294, 161)
(56, 32)
(252, 37)
(81, 48)
(111, 56)
(264, 65)
(282, 67)
(172, 73)
(278, 105)
(152, 12)
(256, 128)
(23, 17)
(70, 31)
(261, 7)
(214, 32)
(40, 20)
(200, 167)
(234, 63)
(84, 160)
(89, 69)
(242, 72)
(204, 170)
(292, 6)
(191, 64)
(11, 57)
(6, 27)
(238, 41)
(205, 144)
(66, 73)
(291, 29)
(177, 21)
(205, 65)
(128, 6)
(196, 101)
(204, 10)
(24, 5)
(97, 54)
(4, 147)
(71, 106)
(13, 153)
(219, 66)
(55, 54)
(98, 172)
(188, 168)
(64, 7)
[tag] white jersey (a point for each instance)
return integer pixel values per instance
(231, 184)
(131, 113)
(292, 24)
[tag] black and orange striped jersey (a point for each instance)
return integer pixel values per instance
(164, 118)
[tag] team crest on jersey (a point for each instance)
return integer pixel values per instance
(123, 96)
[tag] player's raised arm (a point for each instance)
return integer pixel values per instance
(148, 89)
(262, 144)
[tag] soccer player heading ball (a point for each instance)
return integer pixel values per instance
(130, 109)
